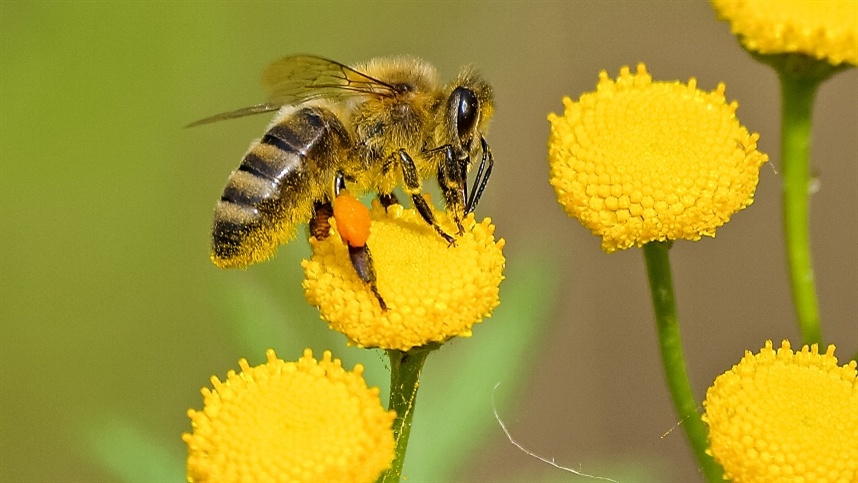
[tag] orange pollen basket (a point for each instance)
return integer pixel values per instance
(352, 219)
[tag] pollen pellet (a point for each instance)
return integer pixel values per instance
(352, 219)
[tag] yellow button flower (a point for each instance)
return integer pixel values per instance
(823, 29)
(290, 421)
(785, 417)
(433, 291)
(638, 161)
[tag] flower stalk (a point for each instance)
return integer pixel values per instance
(800, 77)
(657, 259)
(405, 370)
(797, 96)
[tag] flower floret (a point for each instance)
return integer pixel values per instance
(290, 421)
(823, 29)
(433, 290)
(639, 161)
(785, 416)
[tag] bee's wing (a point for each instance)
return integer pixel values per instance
(245, 111)
(299, 78)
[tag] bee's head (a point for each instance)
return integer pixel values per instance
(469, 109)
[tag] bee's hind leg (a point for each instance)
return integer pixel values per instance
(320, 225)
(362, 261)
(359, 253)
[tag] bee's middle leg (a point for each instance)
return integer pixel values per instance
(452, 177)
(412, 188)
(388, 199)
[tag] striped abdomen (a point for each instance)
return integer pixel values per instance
(274, 188)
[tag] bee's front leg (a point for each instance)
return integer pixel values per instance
(483, 172)
(412, 187)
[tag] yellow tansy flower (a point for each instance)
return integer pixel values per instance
(433, 291)
(784, 416)
(290, 421)
(638, 161)
(823, 29)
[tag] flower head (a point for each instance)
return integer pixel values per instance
(433, 291)
(823, 29)
(290, 421)
(785, 416)
(638, 161)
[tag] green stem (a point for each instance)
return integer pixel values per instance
(657, 259)
(798, 93)
(405, 369)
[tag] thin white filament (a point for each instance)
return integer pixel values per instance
(526, 451)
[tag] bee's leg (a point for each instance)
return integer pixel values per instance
(480, 181)
(452, 177)
(359, 253)
(362, 261)
(412, 187)
(320, 226)
(339, 183)
(388, 199)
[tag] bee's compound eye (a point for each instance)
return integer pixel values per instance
(466, 112)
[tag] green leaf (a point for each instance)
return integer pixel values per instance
(454, 409)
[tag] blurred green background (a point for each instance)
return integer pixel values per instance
(112, 316)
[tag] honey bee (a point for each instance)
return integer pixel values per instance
(372, 127)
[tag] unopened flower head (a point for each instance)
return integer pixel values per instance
(822, 29)
(433, 291)
(784, 416)
(639, 161)
(290, 421)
